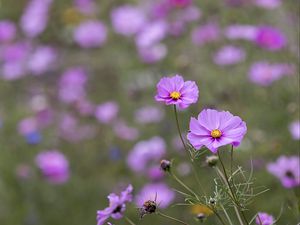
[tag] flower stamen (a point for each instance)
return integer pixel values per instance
(175, 95)
(216, 133)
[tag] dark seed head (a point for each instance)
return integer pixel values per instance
(165, 165)
(212, 160)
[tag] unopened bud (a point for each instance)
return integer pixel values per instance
(165, 165)
(212, 201)
(212, 160)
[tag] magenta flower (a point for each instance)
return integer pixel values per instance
(117, 206)
(152, 54)
(175, 91)
(107, 112)
(207, 33)
(287, 169)
(270, 38)
(148, 114)
(54, 166)
(7, 30)
(295, 129)
(214, 129)
(229, 55)
(90, 34)
(125, 132)
(267, 4)
(164, 194)
(264, 219)
(238, 31)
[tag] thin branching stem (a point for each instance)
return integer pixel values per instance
(226, 214)
(171, 218)
(129, 221)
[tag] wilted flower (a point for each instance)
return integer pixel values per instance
(54, 166)
(206, 33)
(214, 129)
(127, 20)
(107, 112)
(174, 90)
(90, 34)
(270, 38)
(295, 129)
(158, 192)
(229, 55)
(264, 73)
(117, 206)
(287, 169)
(7, 30)
(263, 218)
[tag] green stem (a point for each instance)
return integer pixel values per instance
(218, 216)
(226, 214)
(129, 221)
(172, 218)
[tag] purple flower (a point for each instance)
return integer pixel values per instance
(7, 30)
(152, 54)
(127, 20)
(268, 4)
(107, 112)
(123, 131)
(72, 85)
(270, 38)
(144, 153)
(27, 126)
(90, 34)
(263, 218)
(149, 114)
(264, 73)
(174, 90)
(295, 129)
(35, 18)
(207, 33)
(214, 129)
(163, 194)
(54, 166)
(117, 206)
(245, 32)
(41, 60)
(85, 6)
(180, 3)
(229, 55)
(287, 169)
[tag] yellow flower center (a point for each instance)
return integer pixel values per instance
(175, 95)
(216, 133)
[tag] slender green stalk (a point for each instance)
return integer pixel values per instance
(238, 215)
(218, 216)
(129, 221)
(171, 218)
(226, 214)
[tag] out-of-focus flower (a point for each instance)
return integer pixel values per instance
(295, 129)
(229, 55)
(270, 38)
(85, 107)
(85, 6)
(151, 34)
(237, 31)
(90, 34)
(146, 152)
(42, 60)
(72, 85)
(153, 53)
(33, 138)
(123, 131)
(23, 171)
(180, 3)
(206, 33)
(287, 169)
(127, 20)
(7, 31)
(154, 173)
(107, 112)
(174, 90)
(158, 192)
(35, 17)
(149, 114)
(264, 73)
(54, 166)
(117, 206)
(263, 218)
(214, 129)
(27, 126)
(267, 4)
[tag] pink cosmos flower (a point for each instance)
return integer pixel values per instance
(264, 219)
(54, 166)
(174, 90)
(107, 112)
(270, 38)
(164, 194)
(287, 169)
(127, 20)
(229, 55)
(117, 206)
(7, 30)
(152, 54)
(149, 114)
(90, 34)
(295, 129)
(214, 129)
(206, 33)
(125, 132)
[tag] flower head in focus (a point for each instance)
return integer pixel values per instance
(117, 206)
(174, 90)
(214, 129)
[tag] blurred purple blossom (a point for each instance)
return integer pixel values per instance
(209, 32)
(160, 192)
(267, 4)
(123, 131)
(54, 166)
(7, 31)
(263, 218)
(27, 126)
(270, 38)
(90, 34)
(238, 31)
(148, 114)
(152, 54)
(287, 169)
(229, 55)
(107, 112)
(85, 6)
(295, 129)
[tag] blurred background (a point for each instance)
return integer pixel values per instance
(77, 86)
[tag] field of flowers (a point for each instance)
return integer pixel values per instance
(149, 112)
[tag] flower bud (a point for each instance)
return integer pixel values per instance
(165, 165)
(212, 201)
(212, 160)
